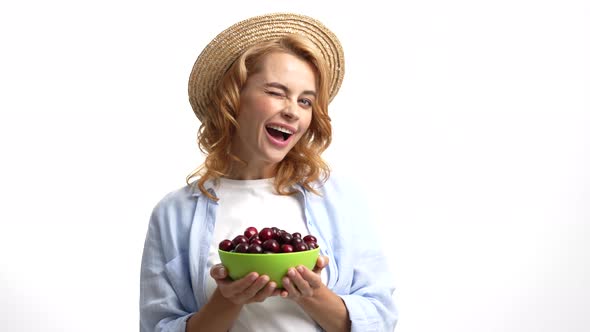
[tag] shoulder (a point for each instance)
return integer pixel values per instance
(171, 220)
(177, 198)
(175, 206)
(340, 186)
(345, 198)
(340, 197)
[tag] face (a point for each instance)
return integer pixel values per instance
(275, 111)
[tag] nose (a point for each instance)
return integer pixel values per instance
(290, 111)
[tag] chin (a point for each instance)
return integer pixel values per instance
(275, 158)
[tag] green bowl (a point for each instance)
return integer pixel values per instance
(275, 266)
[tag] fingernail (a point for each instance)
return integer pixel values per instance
(292, 272)
(222, 271)
(300, 269)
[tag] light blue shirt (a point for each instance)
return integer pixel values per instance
(174, 264)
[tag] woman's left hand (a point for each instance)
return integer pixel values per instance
(302, 282)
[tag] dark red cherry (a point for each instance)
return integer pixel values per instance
(285, 237)
(239, 239)
(309, 238)
(269, 240)
(300, 247)
(265, 234)
(276, 232)
(296, 241)
(286, 248)
(255, 249)
(250, 232)
(242, 248)
(271, 245)
(226, 245)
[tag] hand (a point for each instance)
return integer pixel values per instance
(301, 282)
(251, 288)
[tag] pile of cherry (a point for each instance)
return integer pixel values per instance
(270, 240)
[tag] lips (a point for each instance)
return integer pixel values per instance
(279, 134)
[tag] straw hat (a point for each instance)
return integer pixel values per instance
(224, 49)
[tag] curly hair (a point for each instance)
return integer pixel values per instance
(303, 163)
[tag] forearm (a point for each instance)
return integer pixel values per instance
(327, 309)
(218, 314)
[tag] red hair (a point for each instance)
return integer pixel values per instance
(303, 164)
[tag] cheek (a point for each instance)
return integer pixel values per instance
(267, 107)
(306, 121)
(258, 106)
(252, 111)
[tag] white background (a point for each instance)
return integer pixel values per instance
(467, 121)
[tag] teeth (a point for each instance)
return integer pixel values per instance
(281, 129)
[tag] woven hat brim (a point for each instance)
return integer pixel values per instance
(221, 52)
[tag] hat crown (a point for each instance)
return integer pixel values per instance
(227, 46)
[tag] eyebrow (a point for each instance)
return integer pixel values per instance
(284, 88)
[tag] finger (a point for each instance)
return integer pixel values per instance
(313, 278)
(218, 271)
(301, 284)
(321, 263)
(230, 288)
(289, 289)
(249, 293)
(278, 292)
(267, 291)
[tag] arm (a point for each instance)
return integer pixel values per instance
(369, 300)
(166, 299)
(368, 287)
(166, 294)
(217, 315)
(227, 300)
(360, 274)
(368, 291)
(327, 309)
(367, 306)
(320, 303)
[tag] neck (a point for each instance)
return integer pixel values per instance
(250, 172)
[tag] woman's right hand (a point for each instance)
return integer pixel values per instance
(251, 288)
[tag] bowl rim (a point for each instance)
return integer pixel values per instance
(265, 254)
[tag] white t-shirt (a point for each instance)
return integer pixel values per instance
(245, 203)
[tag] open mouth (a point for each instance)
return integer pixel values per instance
(278, 132)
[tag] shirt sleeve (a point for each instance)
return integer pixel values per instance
(166, 298)
(369, 303)
(366, 282)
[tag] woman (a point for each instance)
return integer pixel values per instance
(261, 90)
